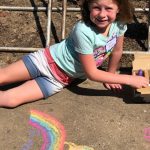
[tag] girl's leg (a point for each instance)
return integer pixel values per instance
(13, 73)
(27, 92)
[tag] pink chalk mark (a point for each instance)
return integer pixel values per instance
(43, 132)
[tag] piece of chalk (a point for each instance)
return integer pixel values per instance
(140, 72)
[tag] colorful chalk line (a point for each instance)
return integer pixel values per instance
(52, 131)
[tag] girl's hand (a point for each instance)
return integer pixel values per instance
(138, 82)
(114, 87)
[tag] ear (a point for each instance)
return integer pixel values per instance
(118, 10)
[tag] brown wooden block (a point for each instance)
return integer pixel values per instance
(142, 61)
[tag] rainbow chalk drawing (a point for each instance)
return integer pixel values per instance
(52, 131)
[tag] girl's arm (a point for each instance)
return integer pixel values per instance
(94, 74)
(116, 55)
(114, 62)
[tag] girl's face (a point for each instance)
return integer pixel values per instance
(103, 13)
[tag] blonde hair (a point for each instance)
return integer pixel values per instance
(124, 16)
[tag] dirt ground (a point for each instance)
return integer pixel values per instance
(91, 115)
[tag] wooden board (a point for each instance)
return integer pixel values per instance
(142, 61)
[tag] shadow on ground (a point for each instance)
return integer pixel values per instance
(128, 94)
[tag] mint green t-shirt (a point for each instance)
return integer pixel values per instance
(85, 39)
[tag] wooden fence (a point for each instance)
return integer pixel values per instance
(64, 10)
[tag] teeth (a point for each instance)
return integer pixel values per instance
(101, 20)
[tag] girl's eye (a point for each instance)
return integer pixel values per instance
(96, 8)
(109, 8)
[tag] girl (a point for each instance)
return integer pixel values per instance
(99, 34)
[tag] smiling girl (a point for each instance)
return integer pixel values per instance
(98, 35)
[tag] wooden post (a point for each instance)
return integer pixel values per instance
(149, 28)
(63, 27)
(49, 13)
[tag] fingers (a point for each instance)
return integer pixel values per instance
(145, 82)
(107, 86)
(113, 87)
(145, 85)
(139, 82)
(116, 87)
(142, 83)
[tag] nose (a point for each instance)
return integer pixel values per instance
(102, 13)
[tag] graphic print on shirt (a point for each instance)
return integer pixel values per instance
(102, 52)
